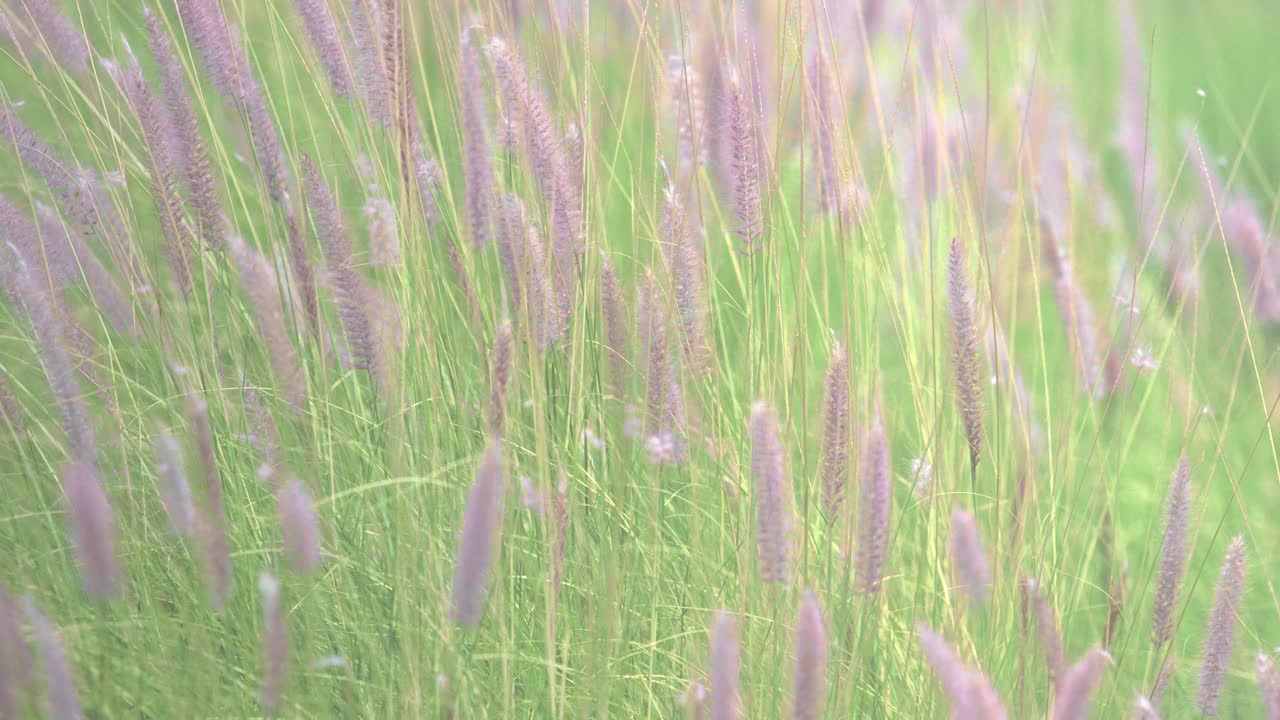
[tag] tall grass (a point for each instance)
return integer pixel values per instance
(839, 353)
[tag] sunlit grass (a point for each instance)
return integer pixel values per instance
(1071, 493)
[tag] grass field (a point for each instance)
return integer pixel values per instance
(294, 291)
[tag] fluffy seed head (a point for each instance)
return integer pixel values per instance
(478, 546)
(275, 642)
(560, 516)
(745, 166)
(261, 284)
(1268, 684)
(350, 289)
(970, 691)
(1143, 709)
(835, 433)
(500, 377)
(768, 467)
(617, 338)
(1046, 629)
(175, 491)
(968, 557)
(41, 309)
(212, 521)
(477, 156)
(689, 284)
(964, 352)
(726, 667)
(93, 530)
(330, 50)
(823, 119)
(59, 685)
(1075, 692)
(810, 692)
(299, 525)
(189, 150)
(1173, 554)
(873, 528)
(47, 28)
(15, 658)
(1220, 636)
(694, 701)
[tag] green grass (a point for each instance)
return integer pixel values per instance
(653, 551)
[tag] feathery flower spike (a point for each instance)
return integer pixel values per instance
(835, 433)
(810, 692)
(478, 546)
(964, 352)
(873, 529)
(275, 642)
(1220, 635)
(768, 467)
(1173, 555)
(968, 557)
(726, 667)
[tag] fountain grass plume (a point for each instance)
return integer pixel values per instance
(968, 557)
(478, 546)
(726, 668)
(1220, 636)
(964, 352)
(835, 433)
(773, 525)
(810, 680)
(1173, 555)
(876, 501)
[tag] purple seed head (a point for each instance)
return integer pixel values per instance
(835, 433)
(617, 339)
(500, 377)
(964, 352)
(93, 530)
(1046, 630)
(745, 165)
(873, 528)
(1173, 555)
(46, 316)
(261, 284)
(1074, 695)
(328, 44)
(768, 468)
(969, 690)
(59, 684)
(560, 515)
(1268, 677)
(275, 642)
(688, 283)
(15, 658)
(1220, 636)
(212, 522)
(189, 148)
(48, 28)
(690, 112)
(350, 288)
(478, 546)
(160, 142)
(477, 156)
(175, 491)
(968, 557)
(512, 229)
(299, 525)
(810, 691)
(823, 121)
(726, 667)
(1143, 709)
(694, 700)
